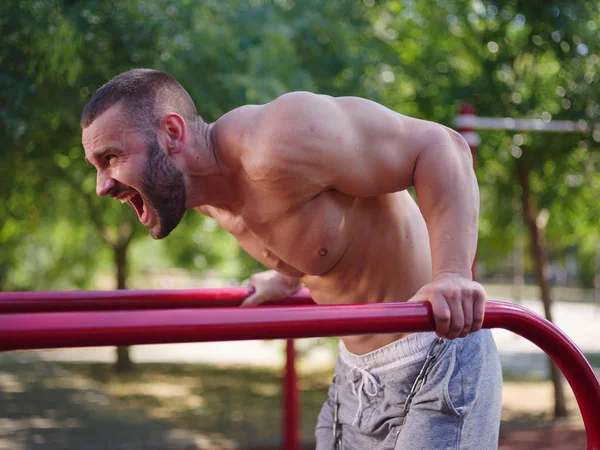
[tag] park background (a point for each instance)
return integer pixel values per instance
(539, 234)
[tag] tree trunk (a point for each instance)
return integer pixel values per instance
(538, 249)
(123, 363)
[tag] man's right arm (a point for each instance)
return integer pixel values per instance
(270, 286)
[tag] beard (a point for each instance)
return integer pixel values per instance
(164, 189)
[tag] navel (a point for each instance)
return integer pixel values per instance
(323, 251)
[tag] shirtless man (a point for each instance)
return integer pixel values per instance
(314, 187)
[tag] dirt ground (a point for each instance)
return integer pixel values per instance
(545, 439)
(77, 406)
(526, 419)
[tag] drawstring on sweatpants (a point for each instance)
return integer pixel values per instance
(367, 380)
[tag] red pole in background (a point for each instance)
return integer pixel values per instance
(473, 140)
(291, 400)
(467, 131)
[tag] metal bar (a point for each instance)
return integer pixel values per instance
(291, 405)
(80, 329)
(508, 123)
(23, 302)
(22, 331)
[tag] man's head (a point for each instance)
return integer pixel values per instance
(133, 129)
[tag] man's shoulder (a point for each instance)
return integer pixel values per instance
(251, 128)
(251, 119)
(295, 106)
(236, 126)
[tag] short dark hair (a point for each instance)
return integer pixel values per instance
(146, 95)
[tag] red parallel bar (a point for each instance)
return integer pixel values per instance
(81, 329)
(23, 302)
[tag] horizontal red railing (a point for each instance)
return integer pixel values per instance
(20, 302)
(21, 331)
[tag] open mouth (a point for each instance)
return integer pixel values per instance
(137, 203)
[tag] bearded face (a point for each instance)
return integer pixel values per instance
(159, 194)
(134, 169)
(162, 190)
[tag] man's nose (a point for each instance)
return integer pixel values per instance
(104, 185)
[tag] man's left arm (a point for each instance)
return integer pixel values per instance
(448, 197)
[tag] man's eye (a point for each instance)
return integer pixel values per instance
(108, 158)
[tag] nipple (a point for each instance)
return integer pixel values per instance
(322, 251)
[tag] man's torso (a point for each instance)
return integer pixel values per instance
(344, 249)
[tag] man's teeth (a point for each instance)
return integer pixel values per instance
(127, 198)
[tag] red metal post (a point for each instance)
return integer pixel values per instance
(467, 131)
(112, 328)
(291, 397)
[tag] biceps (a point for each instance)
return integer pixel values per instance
(381, 159)
(378, 169)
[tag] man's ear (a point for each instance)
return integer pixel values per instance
(173, 133)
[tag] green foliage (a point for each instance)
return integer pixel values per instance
(60, 52)
(511, 58)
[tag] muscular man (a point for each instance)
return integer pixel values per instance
(315, 188)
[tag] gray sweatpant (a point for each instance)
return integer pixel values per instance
(458, 407)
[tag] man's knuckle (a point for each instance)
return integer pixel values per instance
(449, 292)
(457, 327)
(443, 316)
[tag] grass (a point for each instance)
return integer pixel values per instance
(242, 403)
(237, 402)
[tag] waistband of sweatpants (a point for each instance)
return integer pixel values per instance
(402, 352)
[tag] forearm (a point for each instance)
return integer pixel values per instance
(269, 286)
(448, 197)
(290, 283)
(294, 283)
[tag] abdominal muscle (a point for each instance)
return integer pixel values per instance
(388, 260)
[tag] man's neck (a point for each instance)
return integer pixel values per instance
(209, 179)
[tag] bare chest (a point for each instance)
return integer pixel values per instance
(306, 238)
